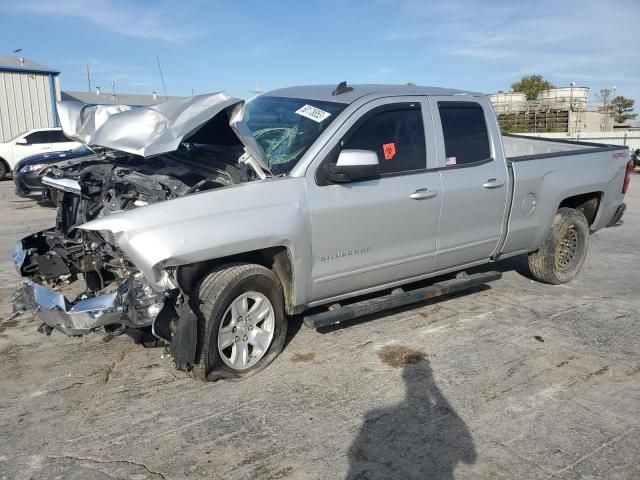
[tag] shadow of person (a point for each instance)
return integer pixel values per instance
(420, 438)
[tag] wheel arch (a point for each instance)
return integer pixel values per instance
(587, 203)
(6, 166)
(277, 259)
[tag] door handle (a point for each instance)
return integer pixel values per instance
(493, 183)
(423, 194)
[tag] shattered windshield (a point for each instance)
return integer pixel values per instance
(285, 128)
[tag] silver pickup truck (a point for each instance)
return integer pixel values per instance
(207, 221)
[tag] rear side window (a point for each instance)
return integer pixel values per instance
(396, 134)
(56, 136)
(466, 139)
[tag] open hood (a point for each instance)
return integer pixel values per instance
(156, 129)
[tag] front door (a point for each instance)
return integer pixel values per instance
(37, 142)
(373, 232)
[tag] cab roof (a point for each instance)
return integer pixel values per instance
(325, 92)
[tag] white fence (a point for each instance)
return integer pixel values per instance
(628, 138)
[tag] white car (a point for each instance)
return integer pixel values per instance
(38, 140)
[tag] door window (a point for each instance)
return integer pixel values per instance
(38, 137)
(56, 136)
(396, 134)
(466, 139)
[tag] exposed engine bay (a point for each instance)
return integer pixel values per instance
(78, 280)
(77, 276)
(128, 182)
(115, 184)
(88, 265)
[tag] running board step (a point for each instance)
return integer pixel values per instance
(339, 314)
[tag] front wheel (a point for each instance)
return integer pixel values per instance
(564, 251)
(4, 169)
(241, 321)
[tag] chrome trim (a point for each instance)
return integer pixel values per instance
(64, 184)
(76, 318)
(133, 303)
(18, 254)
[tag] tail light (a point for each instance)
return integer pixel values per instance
(627, 176)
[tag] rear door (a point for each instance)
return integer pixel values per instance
(474, 181)
(369, 233)
(60, 143)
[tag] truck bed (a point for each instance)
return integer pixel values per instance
(520, 148)
(541, 181)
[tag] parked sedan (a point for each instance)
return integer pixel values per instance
(39, 140)
(29, 171)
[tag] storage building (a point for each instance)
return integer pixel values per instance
(28, 92)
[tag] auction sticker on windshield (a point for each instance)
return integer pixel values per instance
(313, 113)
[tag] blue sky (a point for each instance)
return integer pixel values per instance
(214, 45)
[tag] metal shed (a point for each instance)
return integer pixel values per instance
(28, 92)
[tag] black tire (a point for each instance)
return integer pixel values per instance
(4, 169)
(213, 297)
(564, 251)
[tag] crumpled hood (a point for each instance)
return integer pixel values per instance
(144, 131)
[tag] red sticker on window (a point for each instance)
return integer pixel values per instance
(389, 150)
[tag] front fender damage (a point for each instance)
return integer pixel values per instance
(66, 302)
(65, 289)
(109, 262)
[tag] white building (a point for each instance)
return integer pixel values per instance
(28, 92)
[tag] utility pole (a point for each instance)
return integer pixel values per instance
(257, 91)
(113, 91)
(88, 78)
(613, 107)
(164, 87)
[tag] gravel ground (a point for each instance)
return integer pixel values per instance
(519, 381)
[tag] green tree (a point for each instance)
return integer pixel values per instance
(622, 108)
(531, 85)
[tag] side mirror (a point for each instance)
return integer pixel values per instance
(22, 141)
(353, 165)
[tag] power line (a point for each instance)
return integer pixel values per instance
(79, 77)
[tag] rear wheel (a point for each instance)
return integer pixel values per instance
(564, 251)
(241, 321)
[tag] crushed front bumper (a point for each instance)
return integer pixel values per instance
(55, 310)
(132, 304)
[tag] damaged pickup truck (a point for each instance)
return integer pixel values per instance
(206, 221)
